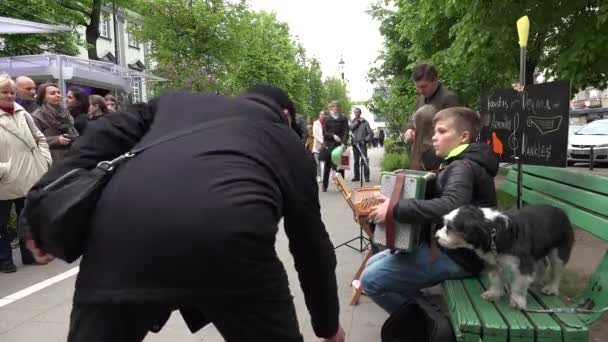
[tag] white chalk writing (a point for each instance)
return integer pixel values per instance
(535, 149)
(498, 103)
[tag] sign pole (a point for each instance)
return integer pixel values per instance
(523, 28)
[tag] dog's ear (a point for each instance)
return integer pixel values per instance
(477, 234)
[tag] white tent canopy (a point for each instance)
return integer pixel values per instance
(15, 26)
(74, 70)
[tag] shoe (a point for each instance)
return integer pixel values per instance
(7, 267)
(324, 189)
(356, 179)
(367, 180)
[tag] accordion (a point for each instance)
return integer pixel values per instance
(396, 186)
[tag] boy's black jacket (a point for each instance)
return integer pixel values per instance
(459, 182)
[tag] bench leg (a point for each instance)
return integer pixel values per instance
(354, 299)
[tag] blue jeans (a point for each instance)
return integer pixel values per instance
(391, 280)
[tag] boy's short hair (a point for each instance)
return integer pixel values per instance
(465, 119)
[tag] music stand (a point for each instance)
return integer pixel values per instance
(341, 184)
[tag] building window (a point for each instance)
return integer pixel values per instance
(132, 41)
(136, 92)
(104, 26)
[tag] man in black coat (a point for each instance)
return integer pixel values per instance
(191, 224)
(362, 135)
(335, 133)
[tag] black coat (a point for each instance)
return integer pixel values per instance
(467, 178)
(338, 126)
(194, 220)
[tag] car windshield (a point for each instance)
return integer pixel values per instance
(594, 128)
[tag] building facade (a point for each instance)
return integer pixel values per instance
(116, 45)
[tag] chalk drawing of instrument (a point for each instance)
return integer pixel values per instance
(545, 125)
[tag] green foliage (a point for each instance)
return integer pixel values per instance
(45, 11)
(394, 146)
(395, 161)
(474, 44)
(336, 90)
(12, 224)
(223, 47)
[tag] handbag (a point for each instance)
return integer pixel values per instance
(417, 321)
(59, 214)
(401, 185)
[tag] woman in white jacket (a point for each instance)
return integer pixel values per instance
(24, 158)
(317, 132)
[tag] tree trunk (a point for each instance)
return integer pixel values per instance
(92, 31)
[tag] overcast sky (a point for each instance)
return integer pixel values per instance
(330, 28)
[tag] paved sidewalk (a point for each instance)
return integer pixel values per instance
(44, 315)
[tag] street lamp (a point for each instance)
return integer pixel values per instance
(341, 67)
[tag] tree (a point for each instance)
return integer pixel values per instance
(336, 91)
(223, 47)
(45, 11)
(192, 42)
(474, 44)
(317, 94)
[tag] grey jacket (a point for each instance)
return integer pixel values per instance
(362, 132)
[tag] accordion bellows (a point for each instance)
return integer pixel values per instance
(406, 236)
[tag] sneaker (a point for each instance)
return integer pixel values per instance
(356, 179)
(7, 267)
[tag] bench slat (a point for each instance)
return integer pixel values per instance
(573, 329)
(493, 326)
(520, 327)
(464, 319)
(547, 329)
(582, 219)
(592, 201)
(589, 182)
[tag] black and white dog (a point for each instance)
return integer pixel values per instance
(534, 243)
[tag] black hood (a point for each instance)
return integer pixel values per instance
(483, 155)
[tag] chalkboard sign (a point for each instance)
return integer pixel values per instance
(532, 124)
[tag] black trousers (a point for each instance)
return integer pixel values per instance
(6, 252)
(237, 322)
(357, 157)
(329, 165)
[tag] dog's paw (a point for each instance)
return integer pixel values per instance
(519, 302)
(491, 295)
(550, 290)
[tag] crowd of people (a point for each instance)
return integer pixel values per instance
(209, 251)
(37, 127)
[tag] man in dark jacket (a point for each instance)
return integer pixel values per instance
(362, 135)
(335, 133)
(431, 92)
(191, 224)
(467, 177)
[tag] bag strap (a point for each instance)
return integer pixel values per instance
(110, 165)
(394, 199)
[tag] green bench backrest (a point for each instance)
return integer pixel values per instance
(584, 198)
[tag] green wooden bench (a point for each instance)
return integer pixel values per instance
(585, 199)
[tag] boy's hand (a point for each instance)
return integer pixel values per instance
(378, 215)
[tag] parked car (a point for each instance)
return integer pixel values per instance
(593, 134)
